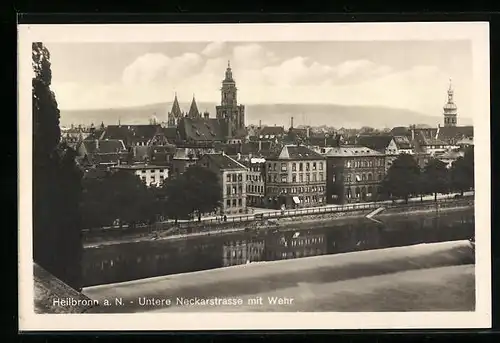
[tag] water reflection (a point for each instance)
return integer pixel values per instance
(153, 258)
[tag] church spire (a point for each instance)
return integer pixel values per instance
(229, 72)
(450, 109)
(176, 109)
(193, 110)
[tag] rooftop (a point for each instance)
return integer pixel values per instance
(201, 129)
(352, 150)
(376, 142)
(295, 152)
(221, 161)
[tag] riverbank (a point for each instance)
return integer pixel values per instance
(293, 222)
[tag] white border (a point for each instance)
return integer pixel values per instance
(477, 33)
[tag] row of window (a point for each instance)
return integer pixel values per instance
(359, 178)
(301, 166)
(296, 190)
(363, 191)
(255, 189)
(234, 177)
(231, 190)
(312, 177)
(364, 163)
(234, 203)
(152, 171)
(307, 241)
(257, 178)
(297, 254)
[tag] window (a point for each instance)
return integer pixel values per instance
(294, 178)
(320, 165)
(269, 178)
(301, 178)
(234, 177)
(228, 190)
(308, 177)
(315, 177)
(240, 202)
(294, 166)
(269, 166)
(240, 177)
(307, 166)
(321, 177)
(348, 178)
(240, 189)
(274, 166)
(363, 177)
(283, 167)
(333, 177)
(300, 166)
(233, 191)
(370, 176)
(234, 202)
(314, 165)
(283, 178)
(228, 203)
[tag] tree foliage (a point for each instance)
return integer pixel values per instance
(119, 195)
(196, 191)
(462, 172)
(435, 178)
(402, 178)
(57, 244)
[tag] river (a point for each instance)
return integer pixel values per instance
(130, 261)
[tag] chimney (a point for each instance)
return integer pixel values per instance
(206, 115)
(260, 124)
(291, 123)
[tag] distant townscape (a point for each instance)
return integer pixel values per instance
(265, 166)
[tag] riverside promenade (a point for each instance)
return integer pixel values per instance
(270, 219)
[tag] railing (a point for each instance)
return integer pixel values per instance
(206, 223)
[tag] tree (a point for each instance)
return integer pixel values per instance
(118, 195)
(402, 178)
(435, 177)
(196, 191)
(57, 244)
(462, 172)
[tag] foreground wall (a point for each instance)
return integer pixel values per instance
(425, 277)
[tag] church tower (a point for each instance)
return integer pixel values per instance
(450, 110)
(229, 110)
(175, 114)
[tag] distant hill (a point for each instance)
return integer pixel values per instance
(270, 114)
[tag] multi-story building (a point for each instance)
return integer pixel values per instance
(354, 174)
(151, 175)
(295, 176)
(256, 187)
(242, 252)
(233, 181)
(102, 153)
(385, 144)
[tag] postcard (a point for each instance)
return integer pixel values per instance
(254, 176)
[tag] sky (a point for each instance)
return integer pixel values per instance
(400, 74)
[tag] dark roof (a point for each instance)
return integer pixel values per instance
(201, 129)
(220, 161)
(272, 130)
(131, 133)
(170, 133)
(49, 288)
(295, 152)
(455, 133)
(424, 139)
(103, 146)
(176, 109)
(402, 142)
(375, 142)
(193, 110)
(400, 131)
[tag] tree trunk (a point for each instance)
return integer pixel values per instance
(435, 196)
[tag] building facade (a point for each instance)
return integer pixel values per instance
(233, 181)
(354, 174)
(151, 175)
(256, 187)
(295, 177)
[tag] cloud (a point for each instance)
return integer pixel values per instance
(214, 49)
(264, 77)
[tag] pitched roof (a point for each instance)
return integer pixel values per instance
(49, 288)
(424, 140)
(295, 152)
(221, 161)
(455, 133)
(375, 142)
(193, 110)
(201, 129)
(352, 150)
(103, 146)
(170, 133)
(131, 133)
(272, 131)
(176, 109)
(402, 142)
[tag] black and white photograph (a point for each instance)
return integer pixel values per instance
(254, 176)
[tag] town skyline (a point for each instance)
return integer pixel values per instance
(372, 74)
